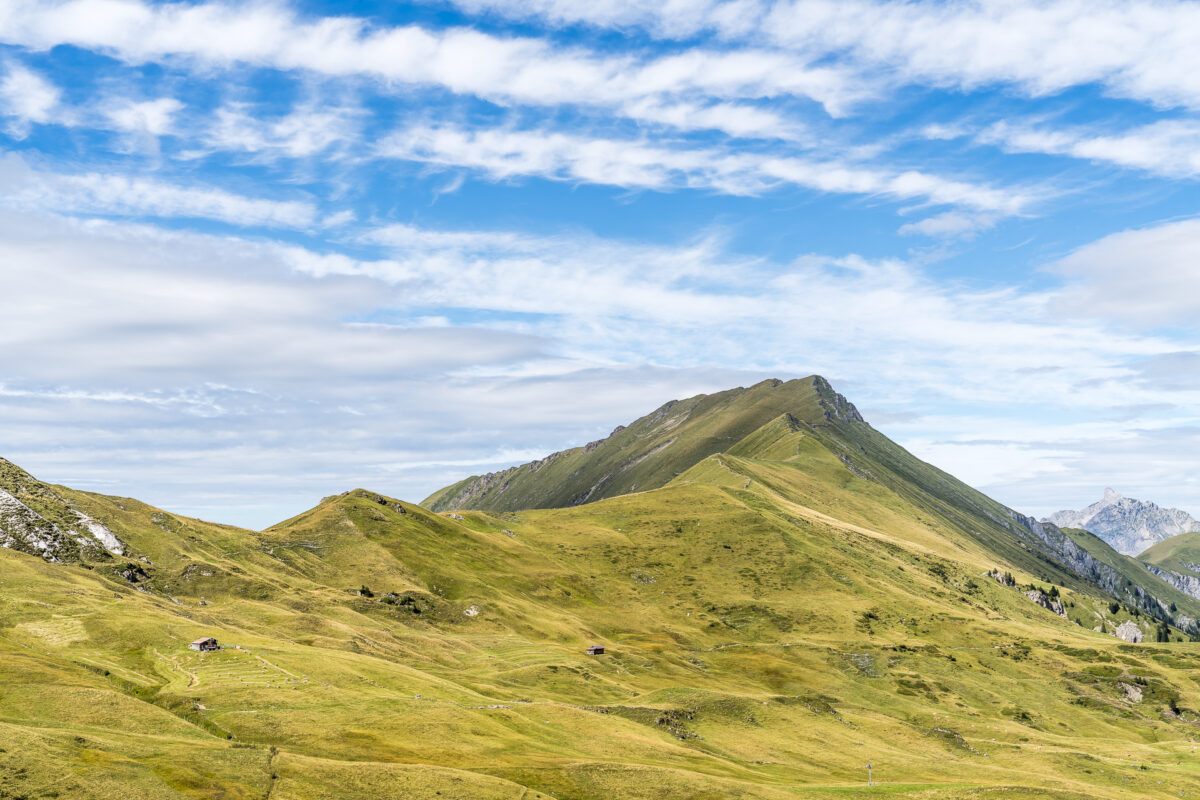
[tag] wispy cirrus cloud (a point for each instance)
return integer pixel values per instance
(1166, 147)
(1142, 50)
(502, 69)
(153, 117)
(507, 153)
(139, 196)
(304, 131)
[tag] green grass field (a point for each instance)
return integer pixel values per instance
(774, 620)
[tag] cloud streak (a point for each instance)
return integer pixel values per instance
(1140, 50)
(505, 154)
(121, 195)
(692, 90)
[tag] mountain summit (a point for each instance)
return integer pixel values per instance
(1130, 526)
(651, 451)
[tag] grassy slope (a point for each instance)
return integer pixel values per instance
(774, 620)
(645, 455)
(1180, 553)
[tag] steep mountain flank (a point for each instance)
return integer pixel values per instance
(807, 424)
(1129, 525)
(648, 452)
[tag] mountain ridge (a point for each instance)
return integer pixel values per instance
(632, 456)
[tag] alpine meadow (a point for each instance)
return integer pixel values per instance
(599, 400)
(787, 596)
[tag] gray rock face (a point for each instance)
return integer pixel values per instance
(1188, 584)
(22, 528)
(1129, 631)
(1046, 602)
(1130, 526)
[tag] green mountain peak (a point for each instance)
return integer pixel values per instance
(651, 451)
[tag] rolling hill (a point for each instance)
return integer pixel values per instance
(801, 598)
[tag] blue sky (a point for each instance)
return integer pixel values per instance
(255, 253)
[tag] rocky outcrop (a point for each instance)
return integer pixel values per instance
(1133, 692)
(22, 528)
(835, 405)
(1188, 584)
(107, 539)
(1130, 526)
(35, 519)
(1046, 601)
(1129, 631)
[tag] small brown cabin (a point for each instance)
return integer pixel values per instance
(596, 650)
(205, 644)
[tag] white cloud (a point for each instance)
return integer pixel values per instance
(101, 193)
(1138, 49)
(1166, 147)
(670, 19)
(1148, 276)
(949, 225)
(136, 305)
(25, 98)
(306, 130)
(637, 164)
(151, 116)
(1141, 50)
(505, 70)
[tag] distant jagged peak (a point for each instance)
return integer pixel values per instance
(1130, 525)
